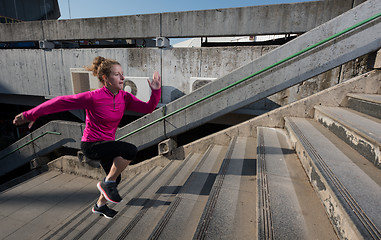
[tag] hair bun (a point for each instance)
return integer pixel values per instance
(98, 60)
(101, 66)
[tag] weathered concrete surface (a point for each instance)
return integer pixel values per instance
(331, 170)
(323, 81)
(47, 73)
(71, 165)
(71, 134)
(301, 68)
(257, 20)
(334, 96)
(74, 185)
(358, 131)
(284, 18)
(134, 26)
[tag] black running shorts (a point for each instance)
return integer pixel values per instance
(106, 151)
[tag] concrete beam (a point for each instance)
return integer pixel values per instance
(256, 20)
(270, 19)
(135, 26)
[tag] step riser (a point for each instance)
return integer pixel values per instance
(369, 150)
(369, 108)
(340, 220)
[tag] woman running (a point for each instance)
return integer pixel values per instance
(104, 110)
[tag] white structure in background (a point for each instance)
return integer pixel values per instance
(196, 42)
(193, 42)
(197, 82)
(138, 86)
(83, 80)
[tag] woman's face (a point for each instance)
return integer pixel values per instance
(114, 81)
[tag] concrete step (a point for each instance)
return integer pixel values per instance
(369, 104)
(134, 201)
(360, 131)
(230, 212)
(182, 217)
(33, 209)
(144, 222)
(79, 223)
(347, 185)
(288, 208)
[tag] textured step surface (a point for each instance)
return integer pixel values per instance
(350, 192)
(32, 209)
(360, 131)
(288, 208)
(149, 216)
(182, 217)
(230, 212)
(135, 196)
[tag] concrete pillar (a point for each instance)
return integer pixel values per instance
(85, 160)
(358, 2)
(167, 147)
(374, 61)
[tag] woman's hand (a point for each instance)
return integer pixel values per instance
(20, 120)
(155, 84)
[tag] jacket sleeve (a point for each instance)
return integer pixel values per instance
(136, 105)
(59, 104)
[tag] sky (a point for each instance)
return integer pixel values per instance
(110, 8)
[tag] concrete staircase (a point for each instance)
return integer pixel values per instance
(195, 197)
(340, 151)
(291, 64)
(300, 180)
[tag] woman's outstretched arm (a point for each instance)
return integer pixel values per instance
(57, 104)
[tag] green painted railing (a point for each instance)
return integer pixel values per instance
(30, 141)
(255, 74)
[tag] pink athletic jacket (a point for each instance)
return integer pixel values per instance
(103, 110)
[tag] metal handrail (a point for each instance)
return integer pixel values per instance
(30, 141)
(256, 73)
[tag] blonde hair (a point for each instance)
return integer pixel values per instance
(101, 66)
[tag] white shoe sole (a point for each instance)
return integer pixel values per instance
(104, 193)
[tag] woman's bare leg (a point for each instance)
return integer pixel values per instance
(119, 164)
(101, 200)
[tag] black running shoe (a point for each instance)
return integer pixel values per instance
(105, 211)
(109, 191)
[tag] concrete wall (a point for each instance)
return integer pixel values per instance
(47, 73)
(271, 19)
(34, 72)
(326, 80)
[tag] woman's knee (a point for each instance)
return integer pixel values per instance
(129, 152)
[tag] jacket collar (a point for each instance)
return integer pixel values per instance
(108, 91)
